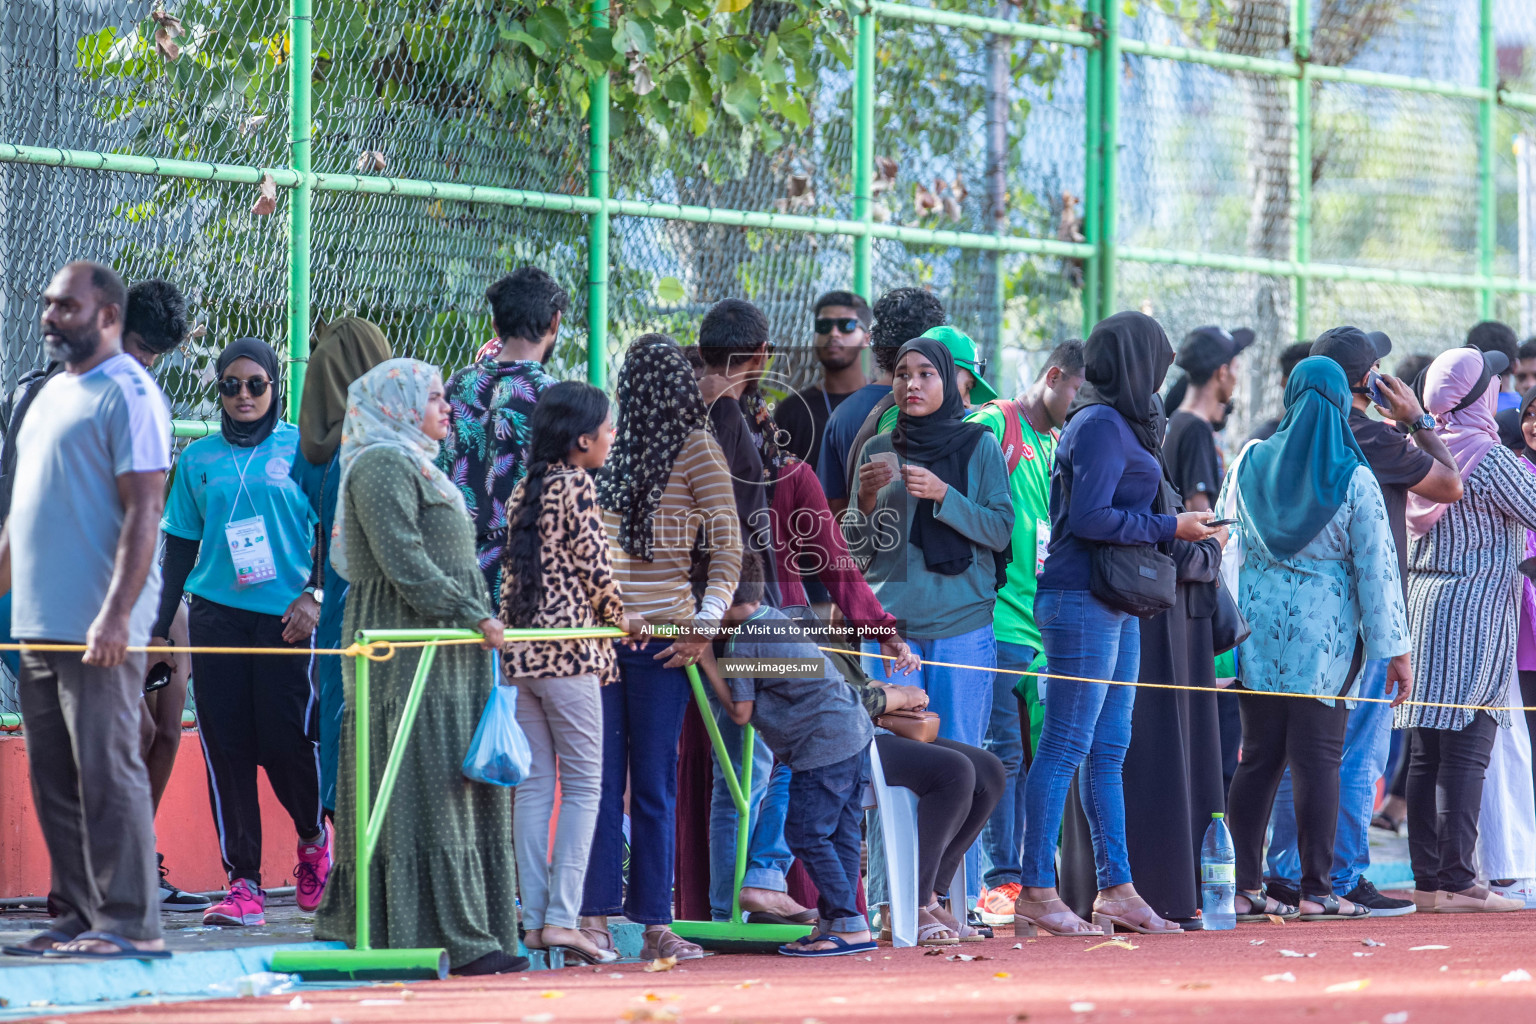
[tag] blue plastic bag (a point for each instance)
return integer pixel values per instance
(499, 752)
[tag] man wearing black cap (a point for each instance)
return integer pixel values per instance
(1424, 466)
(1289, 357)
(1208, 357)
(1492, 336)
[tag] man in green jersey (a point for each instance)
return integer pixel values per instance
(1027, 430)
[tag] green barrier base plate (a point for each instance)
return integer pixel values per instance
(737, 937)
(363, 964)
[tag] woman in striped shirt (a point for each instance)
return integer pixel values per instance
(1462, 602)
(666, 495)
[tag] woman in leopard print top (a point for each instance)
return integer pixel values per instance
(556, 573)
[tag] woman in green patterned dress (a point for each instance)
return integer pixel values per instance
(445, 872)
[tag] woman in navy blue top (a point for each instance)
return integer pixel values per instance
(1108, 462)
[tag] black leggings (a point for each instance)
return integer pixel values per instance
(1445, 797)
(253, 710)
(957, 787)
(1309, 736)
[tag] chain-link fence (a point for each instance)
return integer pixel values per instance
(1278, 164)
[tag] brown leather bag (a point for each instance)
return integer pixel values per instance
(922, 726)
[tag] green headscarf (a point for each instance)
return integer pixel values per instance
(1294, 482)
(345, 351)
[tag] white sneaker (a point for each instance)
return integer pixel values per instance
(1523, 890)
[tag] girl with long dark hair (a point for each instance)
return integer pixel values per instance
(556, 573)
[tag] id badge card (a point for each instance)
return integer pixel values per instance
(251, 551)
(1042, 544)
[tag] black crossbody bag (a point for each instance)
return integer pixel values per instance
(1138, 579)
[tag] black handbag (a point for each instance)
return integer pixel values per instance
(1229, 627)
(1138, 579)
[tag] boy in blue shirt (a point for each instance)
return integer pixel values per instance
(816, 726)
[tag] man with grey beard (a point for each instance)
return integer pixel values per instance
(79, 547)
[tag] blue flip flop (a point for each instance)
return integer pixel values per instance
(125, 949)
(841, 947)
(52, 935)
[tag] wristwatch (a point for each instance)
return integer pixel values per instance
(316, 593)
(1424, 422)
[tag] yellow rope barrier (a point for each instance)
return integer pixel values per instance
(1182, 686)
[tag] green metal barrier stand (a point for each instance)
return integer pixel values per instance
(734, 934)
(365, 962)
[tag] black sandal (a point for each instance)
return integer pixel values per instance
(1330, 905)
(1257, 898)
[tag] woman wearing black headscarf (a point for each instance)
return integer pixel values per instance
(665, 493)
(235, 501)
(1106, 489)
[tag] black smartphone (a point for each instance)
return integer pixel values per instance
(1213, 523)
(158, 678)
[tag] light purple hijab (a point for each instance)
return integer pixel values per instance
(1469, 433)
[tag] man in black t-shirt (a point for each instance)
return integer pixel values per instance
(1289, 357)
(1208, 357)
(842, 333)
(1406, 456)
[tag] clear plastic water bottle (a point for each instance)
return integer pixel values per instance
(1218, 877)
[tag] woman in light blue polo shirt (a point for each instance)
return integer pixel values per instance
(240, 539)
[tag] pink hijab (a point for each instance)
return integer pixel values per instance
(1469, 433)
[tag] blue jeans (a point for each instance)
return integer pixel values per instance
(1006, 737)
(642, 721)
(1086, 724)
(961, 697)
(1367, 739)
(768, 857)
(823, 831)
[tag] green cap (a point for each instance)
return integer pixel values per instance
(1217, 815)
(964, 350)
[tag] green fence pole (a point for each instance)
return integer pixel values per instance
(1487, 196)
(598, 223)
(1111, 146)
(300, 67)
(864, 151)
(1301, 238)
(361, 715)
(1093, 149)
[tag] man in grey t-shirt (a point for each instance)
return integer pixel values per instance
(79, 550)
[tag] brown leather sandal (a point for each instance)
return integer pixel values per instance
(1133, 915)
(666, 943)
(1026, 919)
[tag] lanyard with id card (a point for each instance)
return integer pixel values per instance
(250, 549)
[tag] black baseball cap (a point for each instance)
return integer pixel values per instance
(1207, 349)
(1353, 349)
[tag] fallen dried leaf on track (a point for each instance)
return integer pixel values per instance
(1191, 985)
(1255, 942)
(657, 1013)
(966, 958)
(665, 963)
(750, 982)
(552, 993)
(1371, 942)
(1287, 976)
(1363, 954)
(1517, 975)
(1349, 986)
(1117, 943)
(1292, 952)
(1275, 919)
(1018, 945)
(1415, 949)
(1002, 975)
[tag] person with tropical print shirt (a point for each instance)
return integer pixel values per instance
(491, 403)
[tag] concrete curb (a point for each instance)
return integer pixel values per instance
(53, 983)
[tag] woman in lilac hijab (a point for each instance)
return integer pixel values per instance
(1462, 606)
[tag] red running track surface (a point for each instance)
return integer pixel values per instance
(1214, 977)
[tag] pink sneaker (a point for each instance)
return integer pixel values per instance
(244, 904)
(314, 868)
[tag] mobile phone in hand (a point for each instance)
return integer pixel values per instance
(1373, 387)
(158, 678)
(1214, 523)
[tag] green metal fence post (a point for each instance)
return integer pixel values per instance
(1301, 106)
(1110, 175)
(864, 151)
(300, 68)
(1093, 149)
(598, 223)
(1487, 196)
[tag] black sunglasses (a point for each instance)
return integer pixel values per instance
(846, 324)
(229, 387)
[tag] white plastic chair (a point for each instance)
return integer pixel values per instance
(898, 828)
